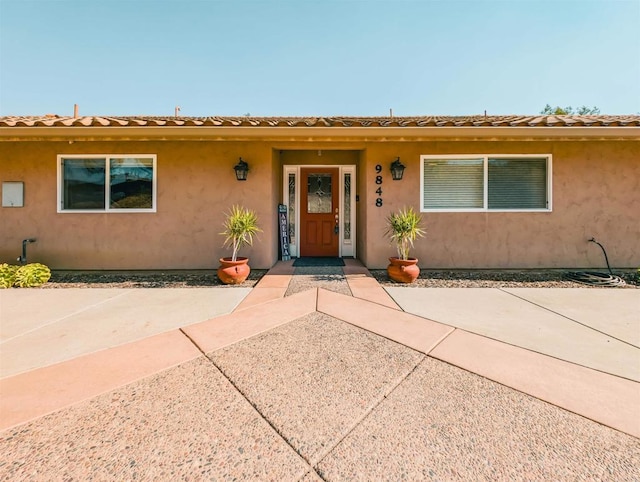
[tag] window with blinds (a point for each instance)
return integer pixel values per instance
(517, 184)
(485, 183)
(454, 183)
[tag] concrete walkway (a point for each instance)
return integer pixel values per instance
(42, 327)
(599, 329)
(320, 376)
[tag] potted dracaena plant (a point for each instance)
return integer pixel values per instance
(240, 227)
(403, 228)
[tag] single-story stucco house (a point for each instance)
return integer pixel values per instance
(141, 193)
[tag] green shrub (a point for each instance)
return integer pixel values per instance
(7, 275)
(31, 275)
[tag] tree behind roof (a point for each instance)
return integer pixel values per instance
(557, 110)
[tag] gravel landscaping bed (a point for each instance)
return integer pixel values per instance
(145, 279)
(428, 279)
(498, 279)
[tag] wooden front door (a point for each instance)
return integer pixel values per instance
(319, 215)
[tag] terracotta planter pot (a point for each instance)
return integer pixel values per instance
(403, 271)
(233, 272)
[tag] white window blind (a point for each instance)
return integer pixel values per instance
(517, 183)
(453, 183)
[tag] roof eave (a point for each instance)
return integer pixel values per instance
(316, 133)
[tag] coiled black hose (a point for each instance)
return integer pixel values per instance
(593, 278)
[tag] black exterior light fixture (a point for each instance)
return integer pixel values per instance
(242, 168)
(397, 169)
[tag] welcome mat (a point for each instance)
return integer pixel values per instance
(313, 262)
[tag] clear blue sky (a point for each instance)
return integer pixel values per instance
(318, 58)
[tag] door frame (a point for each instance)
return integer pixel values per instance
(323, 227)
(346, 247)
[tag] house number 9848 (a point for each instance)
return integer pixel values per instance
(379, 182)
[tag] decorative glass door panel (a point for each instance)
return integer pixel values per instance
(319, 199)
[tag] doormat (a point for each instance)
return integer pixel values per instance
(312, 262)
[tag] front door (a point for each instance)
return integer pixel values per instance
(319, 214)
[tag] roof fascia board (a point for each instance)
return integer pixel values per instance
(397, 133)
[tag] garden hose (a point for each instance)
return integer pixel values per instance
(593, 278)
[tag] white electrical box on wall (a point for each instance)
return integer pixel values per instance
(12, 194)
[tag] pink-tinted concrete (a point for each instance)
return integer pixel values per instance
(312, 394)
(443, 423)
(271, 286)
(187, 423)
(282, 268)
(259, 296)
(271, 280)
(38, 392)
(354, 266)
(364, 286)
(417, 333)
(315, 378)
(225, 330)
(367, 288)
(605, 398)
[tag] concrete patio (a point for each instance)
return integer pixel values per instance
(320, 375)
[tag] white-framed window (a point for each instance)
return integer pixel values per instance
(107, 183)
(485, 182)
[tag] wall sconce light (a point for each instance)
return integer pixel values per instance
(397, 169)
(242, 168)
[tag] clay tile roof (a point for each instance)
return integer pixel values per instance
(51, 120)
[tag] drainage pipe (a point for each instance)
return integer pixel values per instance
(23, 258)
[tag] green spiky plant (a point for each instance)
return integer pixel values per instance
(240, 226)
(32, 275)
(403, 228)
(7, 275)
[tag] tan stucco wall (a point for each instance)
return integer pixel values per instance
(596, 192)
(196, 185)
(319, 157)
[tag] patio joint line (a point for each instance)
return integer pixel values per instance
(535, 396)
(315, 472)
(541, 353)
(367, 411)
(192, 341)
(389, 337)
(441, 340)
(62, 318)
(569, 318)
(273, 427)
